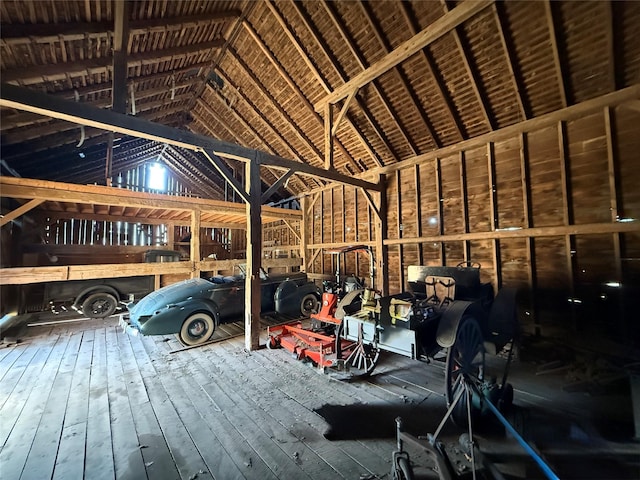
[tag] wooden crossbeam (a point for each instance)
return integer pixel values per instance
(24, 99)
(21, 210)
(434, 31)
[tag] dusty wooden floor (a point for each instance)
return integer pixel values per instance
(83, 400)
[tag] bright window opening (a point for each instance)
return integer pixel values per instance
(157, 179)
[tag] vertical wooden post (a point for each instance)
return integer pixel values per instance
(381, 235)
(171, 230)
(304, 235)
(493, 202)
(195, 242)
(399, 229)
(254, 254)
(612, 159)
(465, 205)
(528, 223)
(567, 213)
(440, 200)
(418, 207)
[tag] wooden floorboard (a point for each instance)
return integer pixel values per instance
(83, 400)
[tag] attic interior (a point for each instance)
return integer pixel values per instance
(499, 135)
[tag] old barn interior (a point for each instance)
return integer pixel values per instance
(269, 133)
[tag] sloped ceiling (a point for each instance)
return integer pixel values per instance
(260, 74)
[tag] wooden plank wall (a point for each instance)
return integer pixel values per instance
(548, 211)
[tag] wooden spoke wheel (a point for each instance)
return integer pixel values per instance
(361, 357)
(465, 363)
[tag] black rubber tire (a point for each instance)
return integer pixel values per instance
(197, 329)
(464, 358)
(99, 305)
(403, 469)
(309, 304)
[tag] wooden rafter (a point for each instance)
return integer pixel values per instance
(224, 124)
(59, 71)
(25, 99)
(330, 9)
(53, 32)
(27, 134)
(557, 62)
(276, 105)
(24, 118)
(516, 80)
(433, 71)
(259, 114)
(404, 82)
(351, 95)
(471, 73)
(612, 45)
(292, 84)
(437, 29)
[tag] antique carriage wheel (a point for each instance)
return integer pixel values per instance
(465, 360)
(363, 356)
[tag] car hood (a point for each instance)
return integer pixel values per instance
(173, 293)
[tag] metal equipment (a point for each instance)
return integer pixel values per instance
(402, 468)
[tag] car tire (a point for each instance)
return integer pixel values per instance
(99, 305)
(309, 304)
(197, 329)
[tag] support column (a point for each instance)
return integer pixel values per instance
(381, 235)
(195, 243)
(254, 255)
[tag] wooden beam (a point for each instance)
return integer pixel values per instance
(95, 194)
(59, 71)
(278, 183)
(406, 49)
(347, 40)
(437, 177)
(245, 125)
(612, 170)
(471, 73)
(624, 96)
(53, 32)
(534, 232)
(325, 49)
(254, 255)
(404, 82)
(328, 137)
(557, 61)
(25, 99)
(120, 37)
(195, 242)
(514, 76)
(21, 210)
(295, 128)
(493, 215)
(293, 85)
(434, 73)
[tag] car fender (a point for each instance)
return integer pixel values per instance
(104, 288)
(450, 320)
(289, 295)
(169, 319)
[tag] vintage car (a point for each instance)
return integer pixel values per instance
(193, 308)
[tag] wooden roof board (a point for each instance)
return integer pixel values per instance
(339, 39)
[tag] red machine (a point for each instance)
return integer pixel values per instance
(322, 343)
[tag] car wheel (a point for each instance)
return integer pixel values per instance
(309, 305)
(197, 329)
(99, 305)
